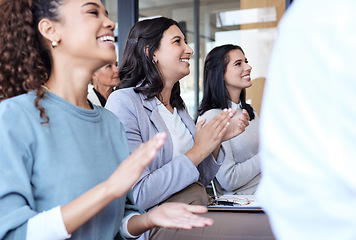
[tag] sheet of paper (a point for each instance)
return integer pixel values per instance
(236, 203)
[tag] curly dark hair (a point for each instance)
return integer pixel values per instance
(215, 93)
(25, 62)
(137, 68)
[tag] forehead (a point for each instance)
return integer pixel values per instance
(171, 32)
(82, 3)
(236, 54)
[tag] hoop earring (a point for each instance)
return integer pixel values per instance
(54, 44)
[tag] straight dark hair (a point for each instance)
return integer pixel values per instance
(215, 93)
(137, 68)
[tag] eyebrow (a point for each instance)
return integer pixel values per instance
(91, 3)
(96, 5)
(240, 60)
(176, 37)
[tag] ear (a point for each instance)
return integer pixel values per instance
(146, 50)
(93, 76)
(47, 29)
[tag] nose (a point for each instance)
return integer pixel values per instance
(248, 67)
(188, 49)
(109, 24)
(116, 69)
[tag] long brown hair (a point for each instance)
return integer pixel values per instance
(25, 61)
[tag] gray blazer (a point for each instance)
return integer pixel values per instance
(164, 176)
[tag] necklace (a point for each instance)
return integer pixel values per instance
(88, 105)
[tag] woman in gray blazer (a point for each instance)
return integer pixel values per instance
(148, 101)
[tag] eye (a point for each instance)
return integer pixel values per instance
(94, 12)
(238, 64)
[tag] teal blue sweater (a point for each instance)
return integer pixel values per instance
(43, 166)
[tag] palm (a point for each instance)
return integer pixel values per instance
(179, 215)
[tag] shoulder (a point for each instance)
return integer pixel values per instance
(123, 95)
(18, 106)
(124, 92)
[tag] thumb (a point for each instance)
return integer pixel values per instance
(200, 124)
(197, 209)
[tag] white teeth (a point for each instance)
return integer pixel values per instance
(106, 38)
(184, 60)
(248, 76)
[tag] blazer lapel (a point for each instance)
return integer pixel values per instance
(153, 114)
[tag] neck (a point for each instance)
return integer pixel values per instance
(235, 95)
(104, 91)
(166, 96)
(70, 85)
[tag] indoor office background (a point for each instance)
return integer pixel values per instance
(252, 24)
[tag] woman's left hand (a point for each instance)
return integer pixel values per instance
(237, 125)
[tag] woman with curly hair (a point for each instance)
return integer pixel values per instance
(226, 77)
(55, 181)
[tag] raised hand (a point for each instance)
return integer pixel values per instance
(237, 125)
(130, 170)
(209, 136)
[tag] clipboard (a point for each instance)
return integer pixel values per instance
(241, 203)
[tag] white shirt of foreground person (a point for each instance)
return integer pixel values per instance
(308, 124)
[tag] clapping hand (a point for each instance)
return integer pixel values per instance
(237, 125)
(130, 170)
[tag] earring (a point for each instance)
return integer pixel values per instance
(155, 60)
(54, 44)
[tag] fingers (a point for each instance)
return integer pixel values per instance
(244, 117)
(149, 149)
(220, 121)
(197, 209)
(157, 141)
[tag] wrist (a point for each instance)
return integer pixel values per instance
(195, 156)
(110, 190)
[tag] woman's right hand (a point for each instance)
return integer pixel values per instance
(209, 136)
(130, 170)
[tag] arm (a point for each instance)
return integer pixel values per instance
(16, 198)
(242, 162)
(237, 126)
(169, 215)
(81, 209)
(232, 174)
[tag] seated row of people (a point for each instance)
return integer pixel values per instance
(68, 166)
(155, 58)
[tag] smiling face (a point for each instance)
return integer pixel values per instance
(237, 74)
(173, 55)
(85, 33)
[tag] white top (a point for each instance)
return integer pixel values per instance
(308, 128)
(181, 137)
(240, 171)
(93, 98)
(49, 225)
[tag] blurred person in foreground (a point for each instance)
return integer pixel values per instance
(308, 131)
